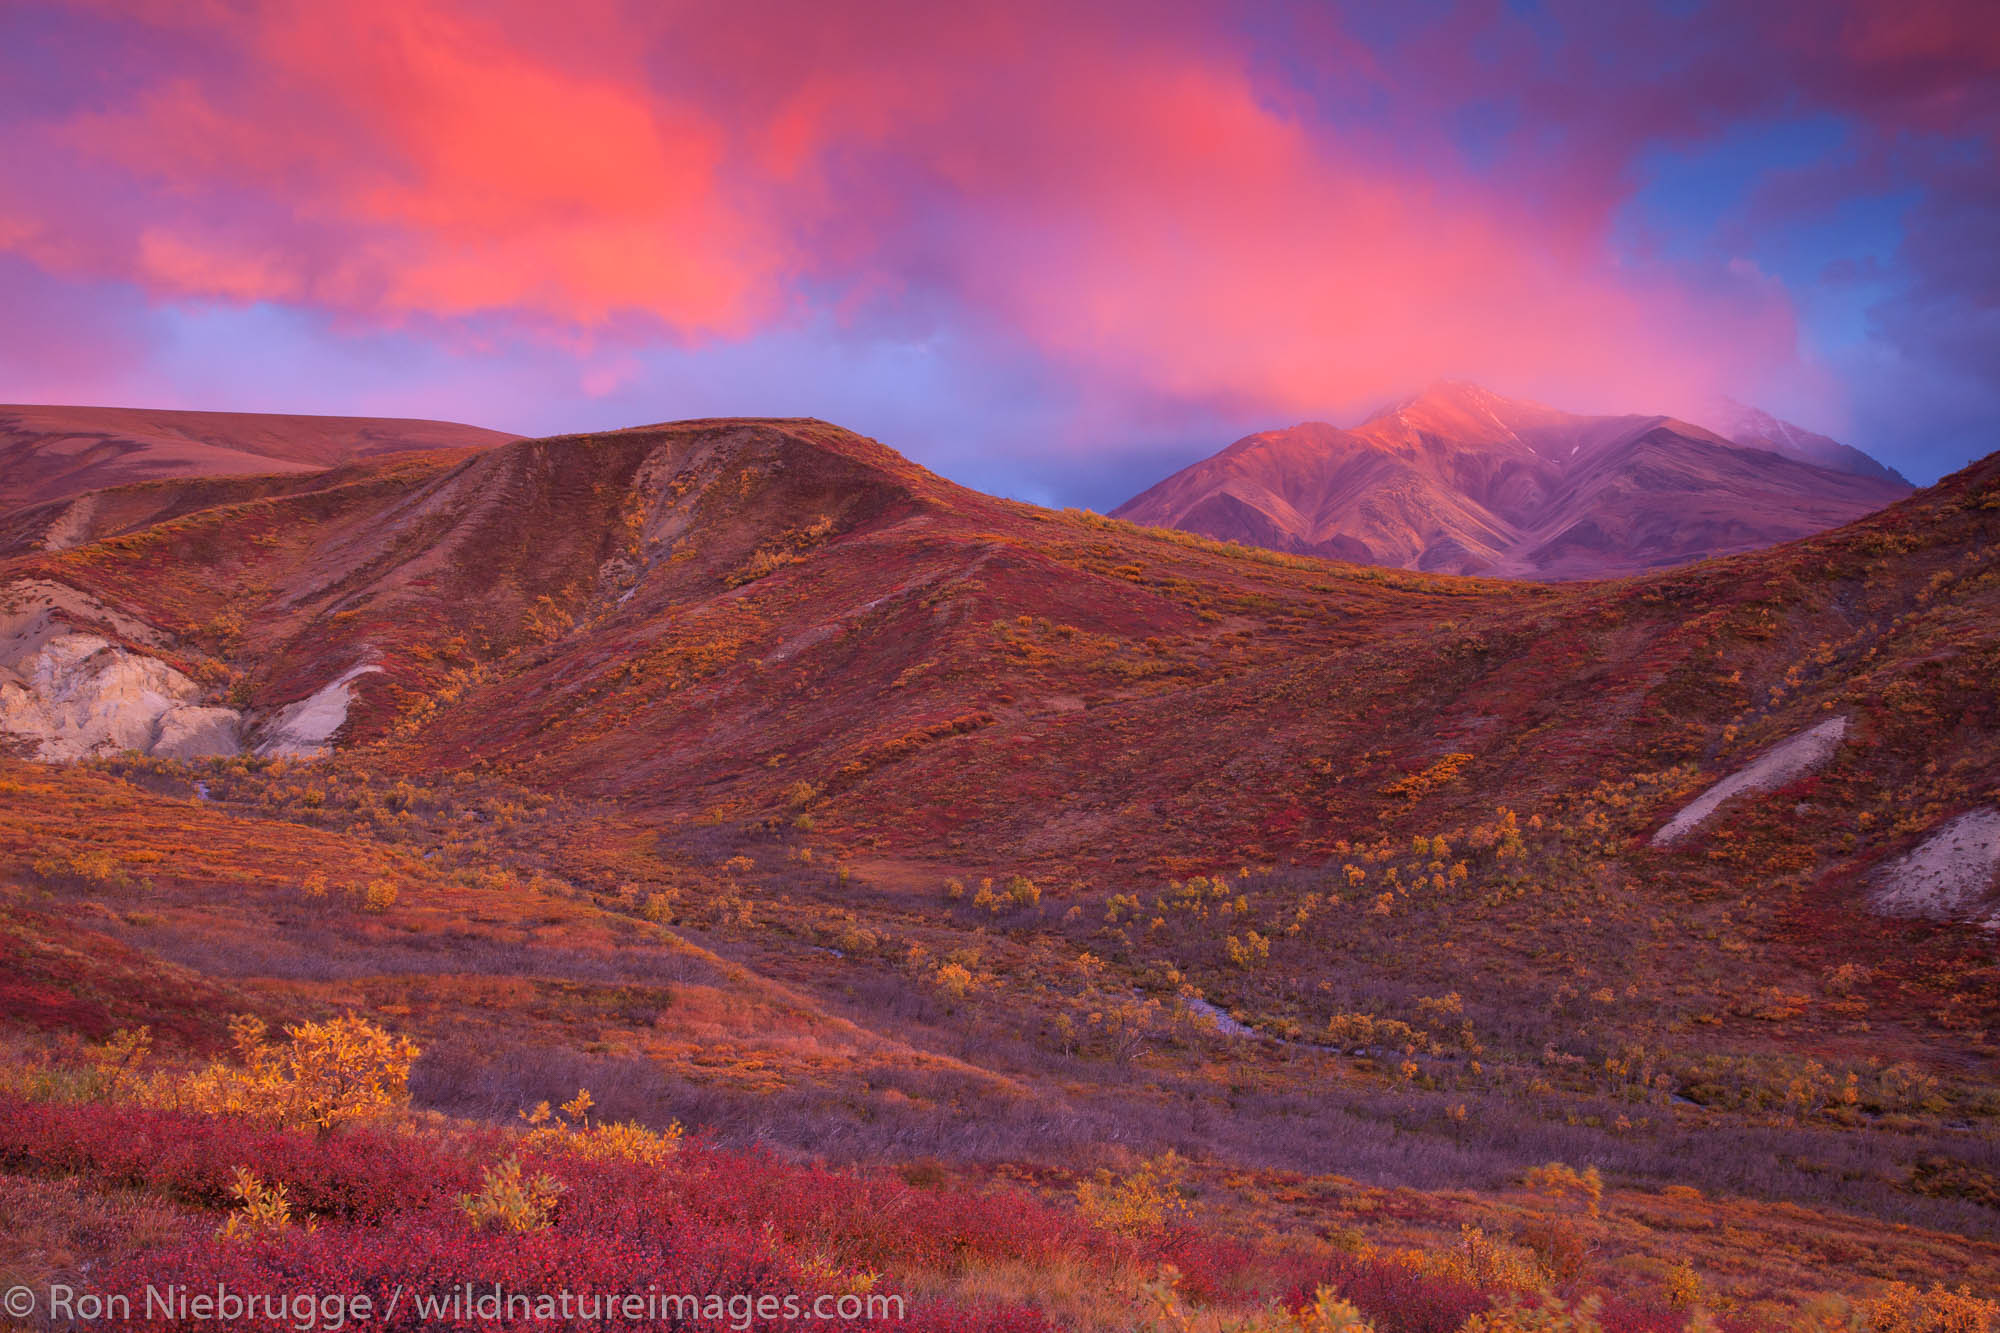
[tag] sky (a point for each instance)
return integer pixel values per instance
(1051, 249)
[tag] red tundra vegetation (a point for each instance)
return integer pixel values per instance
(1044, 920)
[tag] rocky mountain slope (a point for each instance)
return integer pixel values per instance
(1755, 429)
(52, 453)
(1459, 480)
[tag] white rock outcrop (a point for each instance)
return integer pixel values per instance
(1951, 875)
(69, 692)
(199, 733)
(75, 695)
(1785, 762)
(305, 730)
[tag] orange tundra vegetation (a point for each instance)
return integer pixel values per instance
(1055, 922)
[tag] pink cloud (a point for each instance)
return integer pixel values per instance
(395, 159)
(1129, 190)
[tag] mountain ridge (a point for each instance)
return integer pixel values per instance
(52, 452)
(618, 611)
(1457, 479)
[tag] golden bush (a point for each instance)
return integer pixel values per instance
(1547, 1315)
(569, 1131)
(1903, 1308)
(1564, 1182)
(509, 1201)
(264, 1208)
(327, 1074)
(1141, 1203)
(1164, 1312)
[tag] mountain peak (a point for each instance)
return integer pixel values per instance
(1753, 428)
(1462, 410)
(1439, 395)
(1457, 478)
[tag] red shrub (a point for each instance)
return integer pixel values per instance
(1395, 1299)
(411, 1264)
(735, 1225)
(361, 1175)
(869, 1221)
(1212, 1268)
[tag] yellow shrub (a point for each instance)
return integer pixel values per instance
(346, 1069)
(1903, 1308)
(508, 1202)
(1365, 1030)
(1684, 1287)
(118, 1057)
(619, 1141)
(1563, 1181)
(1162, 1303)
(572, 1133)
(1139, 1204)
(1479, 1261)
(1249, 951)
(1421, 784)
(762, 562)
(1548, 1315)
(329, 1074)
(265, 1208)
(954, 980)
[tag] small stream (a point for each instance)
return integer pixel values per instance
(1224, 1024)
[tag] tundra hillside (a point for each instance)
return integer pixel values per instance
(1102, 926)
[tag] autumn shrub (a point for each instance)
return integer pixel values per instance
(1394, 1296)
(1164, 1311)
(1483, 1261)
(359, 1174)
(265, 1208)
(1209, 1268)
(1560, 1249)
(568, 1130)
(1903, 1308)
(954, 980)
(1566, 1182)
(390, 1213)
(327, 1074)
(1549, 1314)
(1366, 1031)
(762, 562)
(1142, 1202)
(97, 869)
(117, 1060)
(1420, 784)
(507, 1200)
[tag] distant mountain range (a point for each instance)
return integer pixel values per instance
(1461, 480)
(52, 453)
